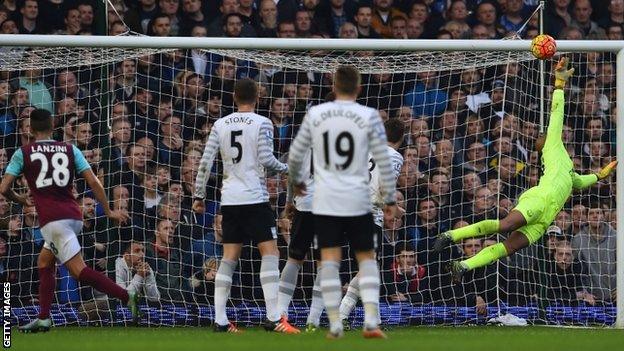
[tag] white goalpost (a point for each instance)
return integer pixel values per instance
(463, 69)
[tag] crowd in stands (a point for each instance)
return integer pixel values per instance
(468, 146)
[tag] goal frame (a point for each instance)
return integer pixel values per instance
(613, 46)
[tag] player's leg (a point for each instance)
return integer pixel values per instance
(351, 297)
(302, 234)
(287, 284)
(363, 240)
(511, 222)
(317, 305)
(46, 265)
(223, 284)
(264, 233)
(79, 270)
(232, 239)
(331, 288)
(529, 207)
(269, 277)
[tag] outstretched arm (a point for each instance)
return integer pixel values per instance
(587, 180)
(555, 125)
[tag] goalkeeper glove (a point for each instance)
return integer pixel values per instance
(562, 73)
(607, 170)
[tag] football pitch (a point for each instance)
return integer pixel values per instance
(408, 338)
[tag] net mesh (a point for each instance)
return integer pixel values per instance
(141, 118)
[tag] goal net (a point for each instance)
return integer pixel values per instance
(141, 118)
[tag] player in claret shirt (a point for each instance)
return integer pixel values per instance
(49, 167)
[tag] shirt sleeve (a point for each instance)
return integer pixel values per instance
(265, 149)
(555, 125)
(377, 143)
(397, 164)
(583, 181)
(80, 161)
(298, 149)
(210, 152)
(16, 165)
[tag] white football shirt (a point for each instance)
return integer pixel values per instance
(342, 134)
(304, 203)
(245, 141)
(375, 183)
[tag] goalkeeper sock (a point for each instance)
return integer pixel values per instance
(269, 278)
(369, 292)
(332, 292)
(486, 256)
(223, 284)
(287, 284)
(351, 297)
(102, 283)
(46, 291)
(316, 306)
(486, 227)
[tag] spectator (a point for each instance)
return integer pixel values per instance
(557, 17)
(426, 98)
(303, 24)
(138, 17)
(405, 275)
(486, 15)
(216, 28)
(86, 16)
(383, 13)
(614, 32)
(39, 92)
(398, 27)
(414, 29)
(513, 17)
(348, 31)
(267, 25)
(170, 9)
(134, 274)
(581, 15)
(363, 20)
(29, 23)
(159, 26)
(72, 22)
(166, 261)
(9, 26)
(337, 14)
(615, 16)
(594, 247)
(286, 29)
(248, 12)
(567, 280)
(202, 282)
(192, 16)
(233, 25)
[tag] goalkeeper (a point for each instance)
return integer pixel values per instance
(538, 206)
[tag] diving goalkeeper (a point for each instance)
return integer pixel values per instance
(538, 206)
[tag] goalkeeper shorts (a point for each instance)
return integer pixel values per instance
(537, 211)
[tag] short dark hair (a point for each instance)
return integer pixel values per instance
(128, 247)
(245, 91)
(347, 79)
(394, 130)
(41, 120)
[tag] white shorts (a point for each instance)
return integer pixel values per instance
(61, 238)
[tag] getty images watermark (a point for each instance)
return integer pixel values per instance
(6, 315)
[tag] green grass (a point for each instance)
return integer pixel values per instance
(414, 338)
